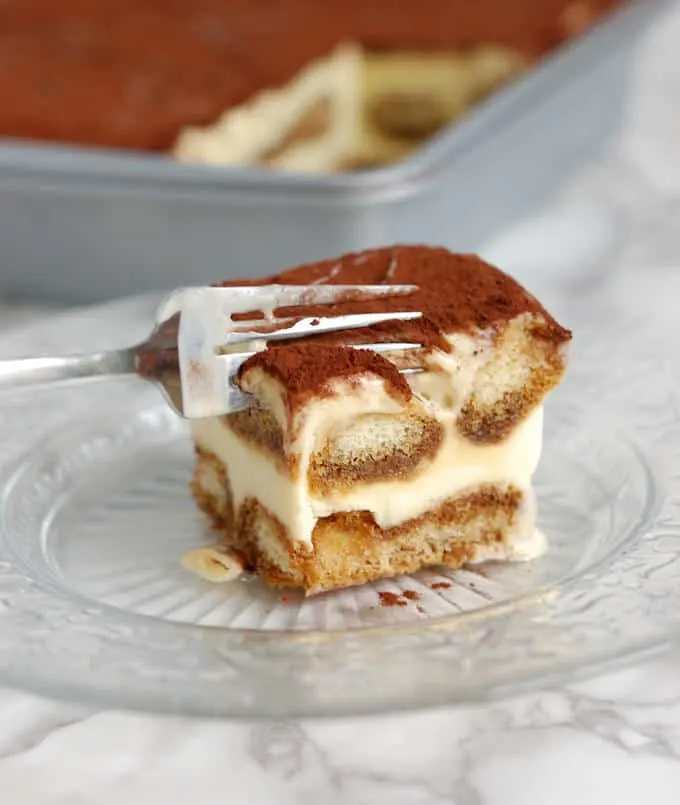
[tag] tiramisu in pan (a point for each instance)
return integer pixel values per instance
(301, 85)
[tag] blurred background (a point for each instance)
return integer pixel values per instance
(146, 144)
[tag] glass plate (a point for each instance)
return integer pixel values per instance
(96, 514)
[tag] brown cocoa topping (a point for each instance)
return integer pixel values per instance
(134, 73)
(305, 368)
(392, 600)
(455, 293)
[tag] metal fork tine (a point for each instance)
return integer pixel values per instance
(267, 298)
(206, 325)
(388, 346)
(316, 326)
(300, 295)
(294, 295)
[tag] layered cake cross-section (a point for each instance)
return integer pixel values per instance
(347, 470)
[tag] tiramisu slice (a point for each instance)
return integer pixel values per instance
(345, 470)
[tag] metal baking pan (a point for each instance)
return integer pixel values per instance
(78, 225)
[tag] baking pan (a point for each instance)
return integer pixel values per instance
(79, 225)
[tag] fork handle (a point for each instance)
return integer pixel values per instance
(24, 372)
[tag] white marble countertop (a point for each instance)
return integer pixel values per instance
(615, 738)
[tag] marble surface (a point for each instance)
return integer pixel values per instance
(614, 738)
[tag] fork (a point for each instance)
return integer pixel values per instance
(196, 347)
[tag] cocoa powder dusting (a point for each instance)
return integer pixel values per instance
(134, 73)
(303, 368)
(455, 293)
(391, 600)
(412, 595)
(440, 585)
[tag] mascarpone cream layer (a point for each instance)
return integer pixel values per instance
(459, 464)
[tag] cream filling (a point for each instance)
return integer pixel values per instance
(243, 135)
(521, 547)
(459, 466)
(253, 474)
(451, 375)
(367, 95)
